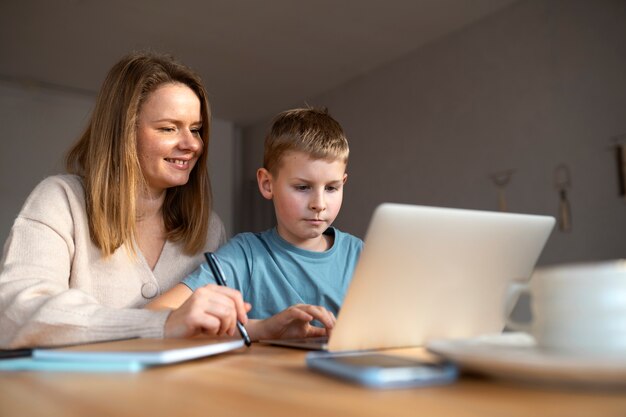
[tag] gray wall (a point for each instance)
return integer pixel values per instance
(536, 85)
(39, 124)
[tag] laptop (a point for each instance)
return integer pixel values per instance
(431, 273)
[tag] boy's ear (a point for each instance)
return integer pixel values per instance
(264, 180)
(345, 177)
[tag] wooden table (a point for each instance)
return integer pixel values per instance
(272, 381)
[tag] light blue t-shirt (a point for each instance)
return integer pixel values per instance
(272, 274)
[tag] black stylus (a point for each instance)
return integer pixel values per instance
(221, 280)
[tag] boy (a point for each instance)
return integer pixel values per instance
(298, 271)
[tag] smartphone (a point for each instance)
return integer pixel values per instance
(379, 370)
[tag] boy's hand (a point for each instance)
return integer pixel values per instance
(211, 310)
(294, 322)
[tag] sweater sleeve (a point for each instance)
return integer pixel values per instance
(39, 306)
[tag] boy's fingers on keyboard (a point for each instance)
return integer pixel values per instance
(316, 331)
(297, 312)
(320, 314)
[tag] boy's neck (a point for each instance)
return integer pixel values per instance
(321, 243)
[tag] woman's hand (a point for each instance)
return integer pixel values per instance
(293, 322)
(211, 310)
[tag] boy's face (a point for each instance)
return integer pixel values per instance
(307, 195)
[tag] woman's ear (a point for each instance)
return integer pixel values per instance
(264, 180)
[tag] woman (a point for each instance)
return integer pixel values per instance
(131, 219)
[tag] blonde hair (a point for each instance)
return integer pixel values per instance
(309, 130)
(105, 157)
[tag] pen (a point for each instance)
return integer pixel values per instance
(15, 353)
(221, 280)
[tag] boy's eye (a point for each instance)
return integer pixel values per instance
(331, 188)
(301, 187)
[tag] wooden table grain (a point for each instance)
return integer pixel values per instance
(272, 381)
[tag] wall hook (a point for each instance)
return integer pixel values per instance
(562, 183)
(501, 179)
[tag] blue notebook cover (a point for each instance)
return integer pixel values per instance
(31, 364)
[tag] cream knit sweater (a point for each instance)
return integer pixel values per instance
(56, 288)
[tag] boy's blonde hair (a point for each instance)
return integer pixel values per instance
(309, 130)
(106, 158)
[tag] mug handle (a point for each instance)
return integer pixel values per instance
(515, 290)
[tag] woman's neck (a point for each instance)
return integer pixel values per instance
(150, 232)
(149, 205)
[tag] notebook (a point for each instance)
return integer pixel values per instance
(433, 273)
(146, 352)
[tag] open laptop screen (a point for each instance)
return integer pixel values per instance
(431, 272)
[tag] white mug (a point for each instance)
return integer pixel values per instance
(576, 308)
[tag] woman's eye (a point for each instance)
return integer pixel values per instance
(196, 131)
(167, 129)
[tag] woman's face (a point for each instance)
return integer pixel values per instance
(168, 136)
